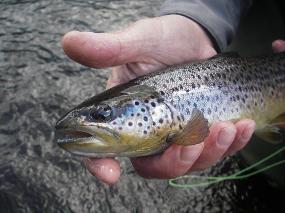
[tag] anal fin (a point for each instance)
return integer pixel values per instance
(274, 132)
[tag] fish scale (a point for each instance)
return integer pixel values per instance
(176, 105)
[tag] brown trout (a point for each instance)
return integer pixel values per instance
(177, 105)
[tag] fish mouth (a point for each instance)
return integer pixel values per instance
(90, 141)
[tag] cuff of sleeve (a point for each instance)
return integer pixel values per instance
(219, 30)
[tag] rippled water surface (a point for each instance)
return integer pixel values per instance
(38, 83)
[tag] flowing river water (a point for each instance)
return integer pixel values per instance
(38, 83)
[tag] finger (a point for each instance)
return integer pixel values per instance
(105, 169)
(278, 46)
(119, 75)
(109, 49)
(222, 135)
(175, 161)
(245, 129)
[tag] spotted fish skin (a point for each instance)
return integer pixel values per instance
(226, 87)
(149, 113)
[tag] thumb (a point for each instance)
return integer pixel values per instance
(108, 49)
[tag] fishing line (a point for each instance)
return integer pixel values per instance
(197, 180)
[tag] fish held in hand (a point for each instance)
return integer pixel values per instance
(177, 105)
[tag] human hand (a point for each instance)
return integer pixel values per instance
(278, 46)
(146, 46)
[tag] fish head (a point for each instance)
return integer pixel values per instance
(130, 123)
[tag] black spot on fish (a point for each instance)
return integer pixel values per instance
(160, 100)
(146, 101)
(193, 85)
(137, 103)
(153, 104)
(209, 111)
(153, 123)
(130, 123)
(145, 132)
(178, 118)
(180, 126)
(160, 120)
(162, 93)
(195, 105)
(145, 118)
(206, 78)
(143, 109)
(152, 97)
(140, 124)
(120, 128)
(138, 114)
(180, 79)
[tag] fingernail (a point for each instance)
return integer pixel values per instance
(190, 154)
(93, 166)
(247, 132)
(226, 136)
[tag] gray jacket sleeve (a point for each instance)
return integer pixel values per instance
(220, 18)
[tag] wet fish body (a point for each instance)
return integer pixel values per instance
(177, 105)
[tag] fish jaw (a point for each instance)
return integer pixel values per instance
(87, 140)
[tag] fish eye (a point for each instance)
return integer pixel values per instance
(102, 113)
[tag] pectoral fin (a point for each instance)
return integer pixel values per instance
(273, 132)
(196, 130)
